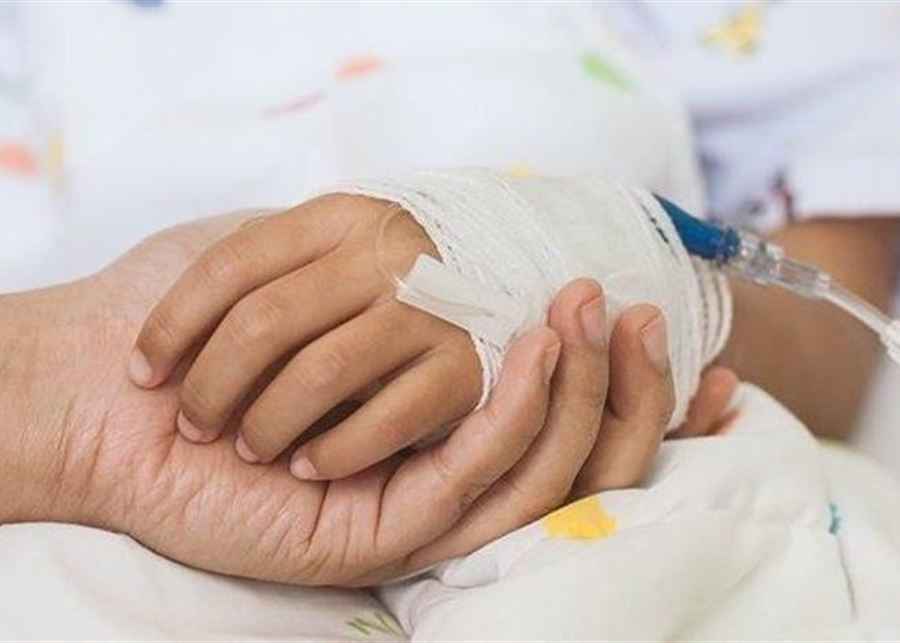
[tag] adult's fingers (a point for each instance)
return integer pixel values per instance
(640, 403)
(234, 266)
(543, 478)
(710, 403)
(432, 490)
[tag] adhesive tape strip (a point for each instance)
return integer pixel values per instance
(435, 289)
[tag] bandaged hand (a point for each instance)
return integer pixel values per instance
(292, 315)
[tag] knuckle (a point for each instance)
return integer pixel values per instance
(224, 262)
(396, 317)
(551, 496)
(469, 494)
(448, 481)
(254, 320)
(586, 396)
(391, 434)
(348, 210)
(458, 492)
(320, 369)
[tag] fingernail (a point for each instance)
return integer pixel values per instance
(656, 345)
(189, 430)
(139, 368)
(551, 357)
(244, 452)
(593, 321)
(302, 468)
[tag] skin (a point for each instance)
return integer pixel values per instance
(82, 444)
(812, 357)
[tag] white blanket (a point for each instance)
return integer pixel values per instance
(760, 533)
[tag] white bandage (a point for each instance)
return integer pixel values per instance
(511, 242)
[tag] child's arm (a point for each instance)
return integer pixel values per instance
(811, 356)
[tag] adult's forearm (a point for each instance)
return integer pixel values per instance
(37, 478)
(814, 358)
(18, 471)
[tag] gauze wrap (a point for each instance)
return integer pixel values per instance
(526, 237)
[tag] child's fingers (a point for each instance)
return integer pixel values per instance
(229, 269)
(640, 403)
(717, 386)
(264, 326)
(439, 390)
(330, 370)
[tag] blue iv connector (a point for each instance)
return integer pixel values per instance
(702, 239)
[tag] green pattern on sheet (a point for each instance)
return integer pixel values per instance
(375, 622)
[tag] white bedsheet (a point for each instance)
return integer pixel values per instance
(72, 583)
(759, 534)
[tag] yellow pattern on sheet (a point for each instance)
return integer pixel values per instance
(585, 519)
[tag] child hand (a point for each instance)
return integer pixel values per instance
(293, 316)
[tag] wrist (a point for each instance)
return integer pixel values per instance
(42, 472)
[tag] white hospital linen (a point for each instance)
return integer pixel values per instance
(73, 583)
(761, 533)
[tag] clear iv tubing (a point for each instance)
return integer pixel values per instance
(750, 257)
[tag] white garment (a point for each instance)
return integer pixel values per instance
(795, 104)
